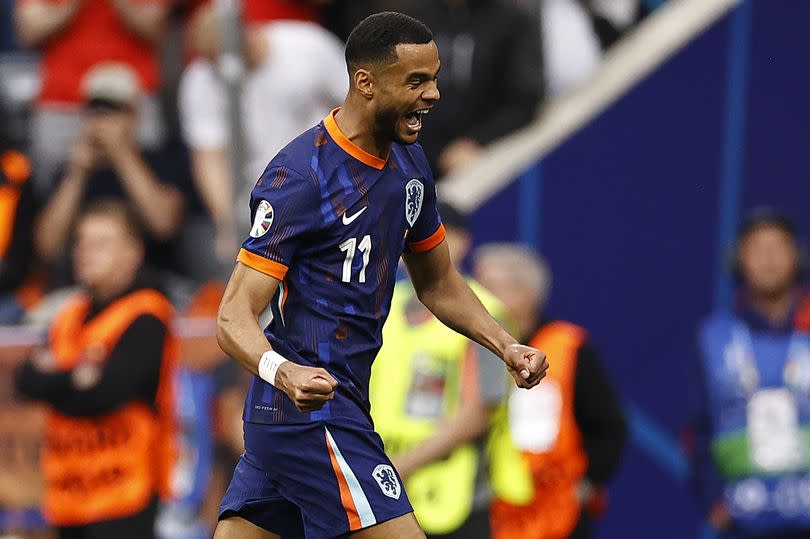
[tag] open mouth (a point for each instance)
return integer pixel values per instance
(414, 119)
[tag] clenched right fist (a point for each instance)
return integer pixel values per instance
(308, 387)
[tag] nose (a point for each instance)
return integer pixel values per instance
(431, 93)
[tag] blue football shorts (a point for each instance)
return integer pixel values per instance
(314, 481)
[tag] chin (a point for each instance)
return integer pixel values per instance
(406, 138)
(84, 277)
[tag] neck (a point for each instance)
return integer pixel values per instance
(357, 123)
(103, 293)
(775, 307)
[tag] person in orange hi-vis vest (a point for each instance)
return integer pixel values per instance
(107, 378)
(16, 229)
(569, 430)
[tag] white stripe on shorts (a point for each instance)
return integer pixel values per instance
(360, 501)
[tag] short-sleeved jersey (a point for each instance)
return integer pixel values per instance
(330, 221)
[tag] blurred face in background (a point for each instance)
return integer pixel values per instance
(106, 256)
(519, 298)
(106, 110)
(768, 260)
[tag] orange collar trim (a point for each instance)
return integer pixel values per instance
(348, 146)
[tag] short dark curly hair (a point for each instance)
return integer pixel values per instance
(375, 38)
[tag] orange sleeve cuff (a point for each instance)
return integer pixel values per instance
(259, 263)
(428, 243)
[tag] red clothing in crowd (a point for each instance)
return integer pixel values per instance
(96, 34)
(273, 10)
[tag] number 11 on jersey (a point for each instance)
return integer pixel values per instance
(350, 247)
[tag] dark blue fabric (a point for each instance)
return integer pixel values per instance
(326, 314)
(285, 481)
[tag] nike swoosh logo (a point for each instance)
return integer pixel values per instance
(347, 220)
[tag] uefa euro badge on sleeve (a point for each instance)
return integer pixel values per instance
(263, 219)
(774, 438)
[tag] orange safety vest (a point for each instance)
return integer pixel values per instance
(110, 466)
(16, 169)
(557, 470)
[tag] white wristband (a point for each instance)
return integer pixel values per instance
(268, 366)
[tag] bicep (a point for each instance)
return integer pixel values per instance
(248, 290)
(427, 267)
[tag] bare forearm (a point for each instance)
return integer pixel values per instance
(213, 181)
(452, 301)
(466, 425)
(159, 206)
(147, 21)
(53, 225)
(239, 336)
(37, 21)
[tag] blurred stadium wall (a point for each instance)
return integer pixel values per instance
(633, 187)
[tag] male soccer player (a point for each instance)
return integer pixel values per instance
(332, 214)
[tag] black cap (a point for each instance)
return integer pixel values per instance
(451, 216)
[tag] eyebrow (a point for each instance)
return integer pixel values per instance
(423, 75)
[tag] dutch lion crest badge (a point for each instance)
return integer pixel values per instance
(414, 195)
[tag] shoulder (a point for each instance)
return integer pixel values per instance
(149, 301)
(416, 152)
(715, 322)
(417, 156)
(286, 179)
(296, 156)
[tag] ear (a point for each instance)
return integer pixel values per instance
(364, 83)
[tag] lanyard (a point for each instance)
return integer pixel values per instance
(739, 358)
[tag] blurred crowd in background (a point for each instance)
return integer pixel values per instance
(131, 132)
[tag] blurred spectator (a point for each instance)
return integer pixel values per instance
(191, 476)
(105, 162)
(571, 49)
(203, 384)
(491, 78)
(296, 75)
(16, 231)
(752, 416)
(259, 11)
(569, 429)
(107, 379)
(575, 32)
(432, 392)
(74, 36)
(612, 18)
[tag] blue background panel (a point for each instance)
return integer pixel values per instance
(635, 213)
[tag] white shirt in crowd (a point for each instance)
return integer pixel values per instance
(302, 78)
